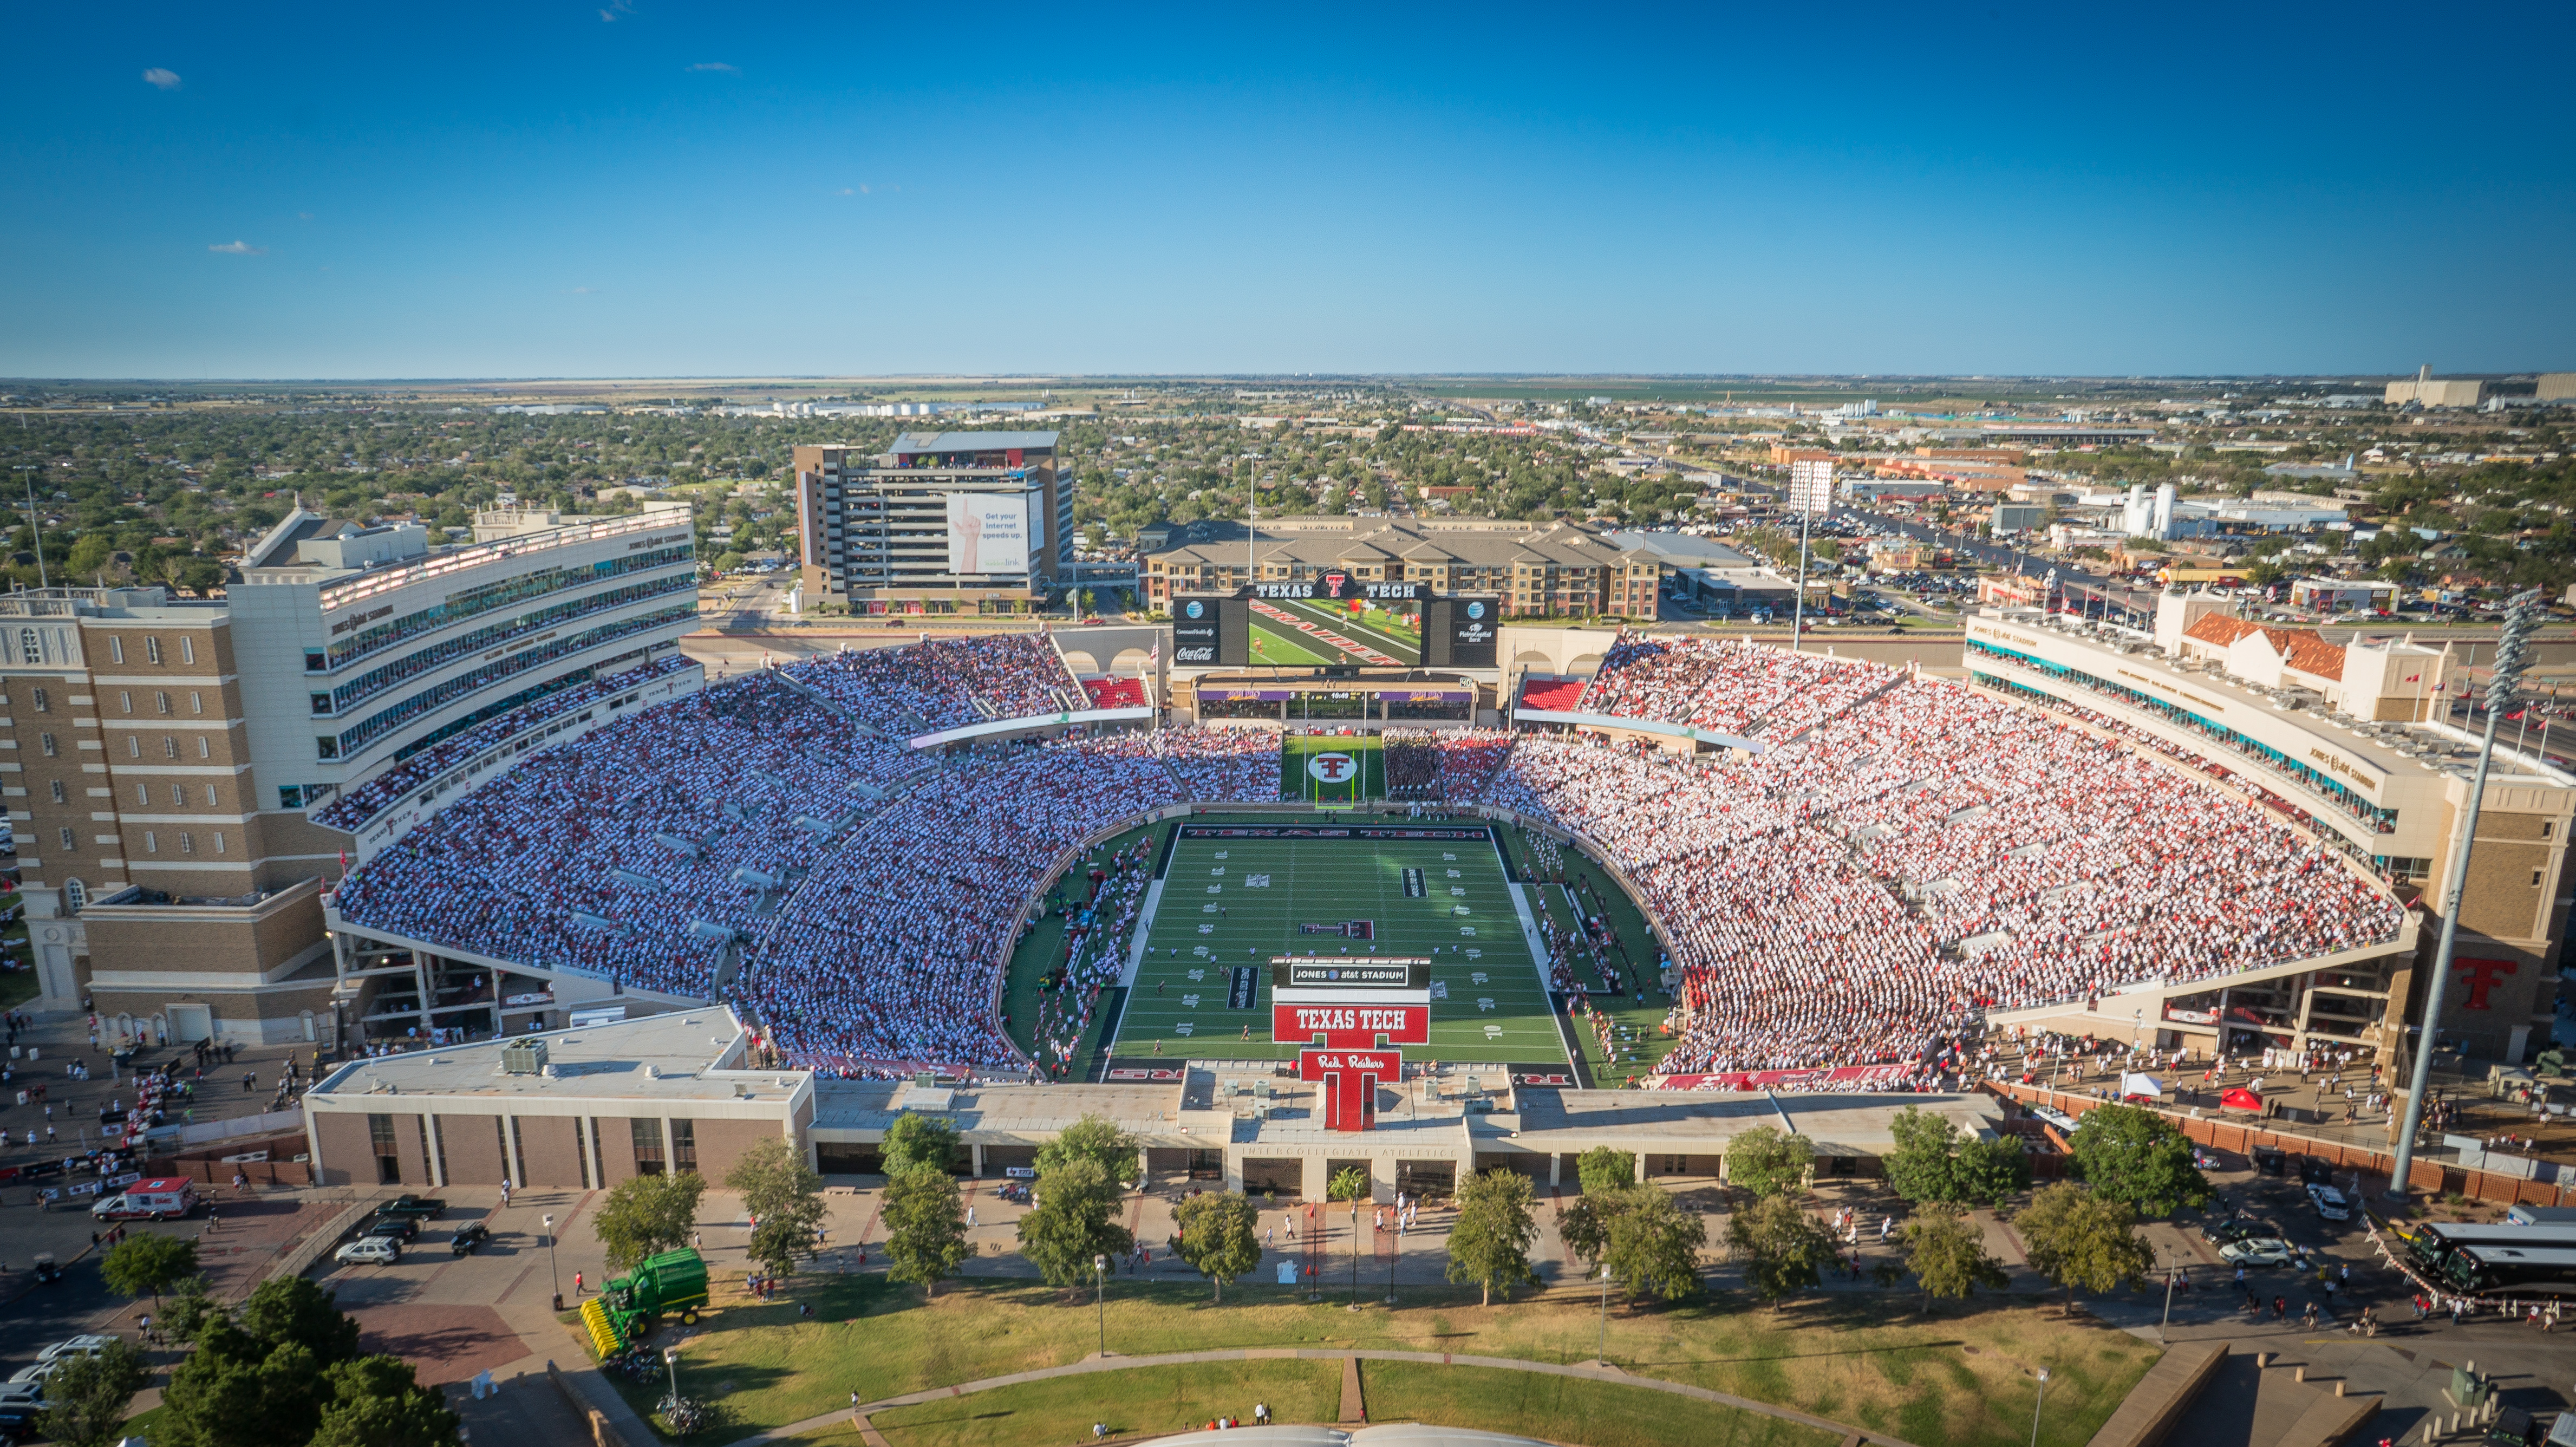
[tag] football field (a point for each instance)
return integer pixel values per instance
(1233, 895)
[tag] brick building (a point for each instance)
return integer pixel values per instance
(1539, 569)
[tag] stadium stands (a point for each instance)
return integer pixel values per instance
(865, 892)
(1562, 695)
(1115, 692)
(1907, 853)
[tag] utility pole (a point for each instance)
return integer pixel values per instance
(35, 524)
(2521, 616)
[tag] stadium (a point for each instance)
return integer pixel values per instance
(917, 859)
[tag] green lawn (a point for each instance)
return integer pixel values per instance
(1568, 1409)
(1148, 1401)
(1961, 1379)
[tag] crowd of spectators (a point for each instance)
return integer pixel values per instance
(1922, 853)
(1428, 765)
(1727, 685)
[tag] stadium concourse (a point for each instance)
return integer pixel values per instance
(1903, 855)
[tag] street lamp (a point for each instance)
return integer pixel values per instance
(1100, 1298)
(2035, 1407)
(2167, 1324)
(1601, 1356)
(1355, 1253)
(1393, 1255)
(2521, 616)
(552, 1278)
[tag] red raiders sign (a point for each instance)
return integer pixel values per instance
(1354, 1026)
(1351, 1079)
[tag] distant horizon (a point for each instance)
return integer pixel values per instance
(1090, 380)
(651, 188)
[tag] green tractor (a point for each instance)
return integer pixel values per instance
(628, 1308)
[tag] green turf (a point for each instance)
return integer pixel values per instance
(1147, 1400)
(1568, 1409)
(1297, 778)
(1238, 902)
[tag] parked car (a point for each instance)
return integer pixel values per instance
(425, 1207)
(376, 1250)
(2316, 1170)
(2207, 1159)
(465, 1240)
(2219, 1233)
(79, 1346)
(2258, 1251)
(2330, 1203)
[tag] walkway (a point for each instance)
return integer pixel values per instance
(1170, 1359)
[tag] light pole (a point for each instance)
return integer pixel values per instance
(35, 523)
(2521, 615)
(2167, 1324)
(2035, 1407)
(1392, 1255)
(1100, 1298)
(671, 1359)
(552, 1279)
(1601, 1354)
(1355, 1253)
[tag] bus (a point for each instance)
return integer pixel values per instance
(2433, 1246)
(2494, 1269)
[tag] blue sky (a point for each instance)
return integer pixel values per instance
(554, 189)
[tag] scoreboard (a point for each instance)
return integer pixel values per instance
(1335, 620)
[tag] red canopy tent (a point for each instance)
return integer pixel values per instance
(2241, 1099)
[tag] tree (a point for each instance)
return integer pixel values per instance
(1654, 1246)
(1489, 1242)
(1948, 1256)
(188, 1310)
(925, 1228)
(1769, 1162)
(260, 1377)
(1604, 1169)
(1350, 1183)
(648, 1215)
(1784, 1250)
(1585, 1225)
(1989, 1173)
(2078, 1237)
(86, 1397)
(917, 1140)
(2129, 1153)
(1920, 1168)
(148, 1265)
(1072, 1222)
(378, 1402)
(1216, 1236)
(1098, 1138)
(784, 1199)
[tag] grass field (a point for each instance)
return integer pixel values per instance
(1149, 1400)
(1962, 1379)
(1232, 903)
(1300, 779)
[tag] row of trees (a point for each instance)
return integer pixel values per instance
(283, 1369)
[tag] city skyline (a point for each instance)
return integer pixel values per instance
(628, 191)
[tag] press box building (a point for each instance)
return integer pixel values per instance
(938, 522)
(185, 779)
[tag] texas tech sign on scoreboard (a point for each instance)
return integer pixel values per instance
(1348, 1013)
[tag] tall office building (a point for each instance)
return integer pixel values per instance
(185, 779)
(940, 522)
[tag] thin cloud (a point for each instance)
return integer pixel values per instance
(583, 291)
(846, 191)
(616, 9)
(717, 65)
(160, 79)
(238, 248)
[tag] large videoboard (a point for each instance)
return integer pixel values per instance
(1335, 620)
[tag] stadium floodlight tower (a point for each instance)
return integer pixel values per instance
(1811, 489)
(2512, 655)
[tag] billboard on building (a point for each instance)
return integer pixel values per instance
(989, 532)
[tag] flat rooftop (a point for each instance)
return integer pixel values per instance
(682, 1056)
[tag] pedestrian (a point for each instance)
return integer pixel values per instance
(576, 1283)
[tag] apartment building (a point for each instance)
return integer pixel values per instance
(1538, 569)
(939, 522)
(185, 779)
